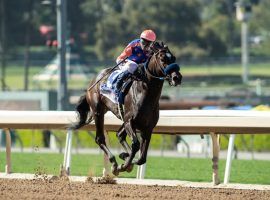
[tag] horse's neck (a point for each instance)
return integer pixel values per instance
(153, 87)
(149, 91)
(153, 68)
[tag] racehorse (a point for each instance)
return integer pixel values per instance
(141, 107)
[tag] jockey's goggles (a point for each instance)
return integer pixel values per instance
(145, 42)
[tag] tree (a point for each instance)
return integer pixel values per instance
(108, 27)
(219, 16)
(3, 44)
(93, 14)
(28, 30)
(260, 24)
(211, 42)
(175, 21)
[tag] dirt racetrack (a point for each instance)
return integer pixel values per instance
(64, 189)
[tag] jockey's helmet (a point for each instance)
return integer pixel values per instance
(148, 35)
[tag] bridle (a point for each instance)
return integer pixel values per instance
(165, 76)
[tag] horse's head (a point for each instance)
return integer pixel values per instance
(165, 66)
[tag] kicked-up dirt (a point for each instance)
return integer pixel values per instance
(62, 188)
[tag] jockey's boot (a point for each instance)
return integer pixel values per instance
(119, 82)
(120, 79)
(121, 97)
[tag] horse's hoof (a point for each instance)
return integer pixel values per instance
(115, 171)
(123, 155)
(121, 168)
(129, 168)
(140, 162)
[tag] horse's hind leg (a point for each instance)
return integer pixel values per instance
(121, 135)
(100, 140)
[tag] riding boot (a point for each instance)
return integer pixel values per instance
(121, 97)
(120, 80)
(124, 90)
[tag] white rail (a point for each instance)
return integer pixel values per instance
(211, 122)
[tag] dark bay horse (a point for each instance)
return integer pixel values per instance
(141, 107)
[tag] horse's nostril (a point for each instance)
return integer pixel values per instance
(176, 79)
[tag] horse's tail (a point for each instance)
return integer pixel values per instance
(84, 113)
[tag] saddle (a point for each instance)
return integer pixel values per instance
(107, 88)
(138, 75)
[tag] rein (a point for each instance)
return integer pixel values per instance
(165, 71)
(162, 78)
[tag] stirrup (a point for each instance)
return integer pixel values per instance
(116, 94)
(121, 110)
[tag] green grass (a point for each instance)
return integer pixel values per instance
(15, 79)
(243, 171)
(82, 139)
(15, 74)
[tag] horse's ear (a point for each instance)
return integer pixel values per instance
(154, 46)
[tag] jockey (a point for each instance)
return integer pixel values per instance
(136, 52)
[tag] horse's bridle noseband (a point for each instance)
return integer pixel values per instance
(161, 67)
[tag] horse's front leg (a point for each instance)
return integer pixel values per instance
(135, 146)
(121, 135)
(146, 137)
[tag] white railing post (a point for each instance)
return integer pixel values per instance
(8, 151)
(141, 171)
(216, 148)
(106, 162)
(67, 154)
(229, 159)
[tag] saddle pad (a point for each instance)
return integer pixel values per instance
(106, 88)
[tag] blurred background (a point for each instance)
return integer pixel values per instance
(223, 48)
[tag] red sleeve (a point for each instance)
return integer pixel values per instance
(127, 52)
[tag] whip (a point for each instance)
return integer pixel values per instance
(106, 74)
